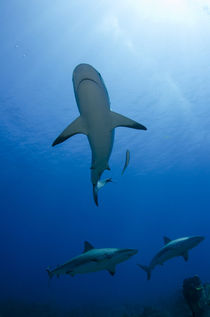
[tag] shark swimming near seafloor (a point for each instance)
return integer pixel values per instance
(93, 260)
(96, 121)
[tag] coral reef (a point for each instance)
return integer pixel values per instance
(197, 296)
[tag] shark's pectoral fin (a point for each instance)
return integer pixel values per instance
(185, 256)
(112, 270)
(121, 121)
(76, 127)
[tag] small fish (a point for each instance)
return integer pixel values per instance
(127, 160)
(100, 184)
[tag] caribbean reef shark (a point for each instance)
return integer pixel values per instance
(93, 260)
(171, 249)
(96, 120)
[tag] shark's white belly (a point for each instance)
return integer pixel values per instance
(168, 253)
(90, 267)
(93, 104)
(167, 256)
(96, 120)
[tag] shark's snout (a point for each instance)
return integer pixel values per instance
(200, 239)
(84, 68)
(196, 240)
(84, 72)
(130, 252)
(133, 252)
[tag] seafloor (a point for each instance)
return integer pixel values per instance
(175, 307)
(192, 300)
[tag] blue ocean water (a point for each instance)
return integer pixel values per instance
(154, 60)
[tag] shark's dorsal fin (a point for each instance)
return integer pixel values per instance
(185, 256)
(76, 127)
(112, 270)
(166, 240)
(121, 121)
(87, 246)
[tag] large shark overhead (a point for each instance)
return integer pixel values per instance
(171, 249)
(93, 260)
(96, 120)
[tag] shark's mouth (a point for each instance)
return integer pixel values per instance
(84, 79)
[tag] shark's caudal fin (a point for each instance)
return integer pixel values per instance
(98, 186)
(121, 121)
(76, 127)
(50, 274)
(95, 194)
(146, 269)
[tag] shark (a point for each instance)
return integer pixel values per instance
(171, 249)
(96, 120)
(93, 260)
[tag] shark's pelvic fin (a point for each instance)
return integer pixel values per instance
(166, 240)
(186, 256)
(121, 121)
(112, 270)
(87, 246)
(76, 127)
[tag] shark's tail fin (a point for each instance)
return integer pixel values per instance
(95, 194)
(146, 269)
(50, 274)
